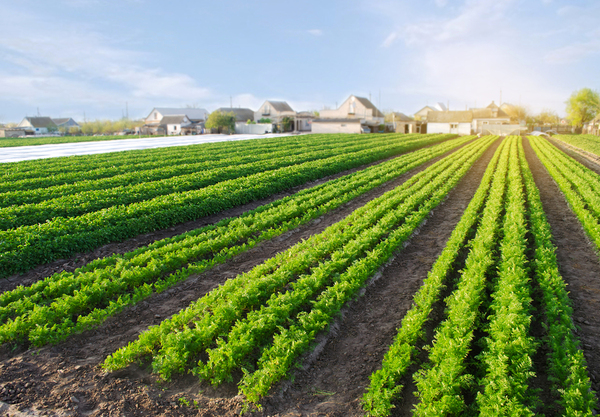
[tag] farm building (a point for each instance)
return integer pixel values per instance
(402, 123)
(458, 122)
(352, 116)
(11, 132)
(38, 125)
(174, 121)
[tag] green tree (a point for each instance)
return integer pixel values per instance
(221, 121)
(264, 120)
(517, 113)
(547, 117)
(583, 106)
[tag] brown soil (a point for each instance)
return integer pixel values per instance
(333, 382)
(589, 159)
(66, 379)
(578, 263)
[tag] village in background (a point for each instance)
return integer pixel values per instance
(354, 115)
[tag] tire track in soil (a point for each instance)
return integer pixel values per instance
(334, 381)
(577, 262)
(50, 377)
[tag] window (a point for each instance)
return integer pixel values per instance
(155, 115)
(352, 108)
(174, 127)
(266, 110)
(453, 125)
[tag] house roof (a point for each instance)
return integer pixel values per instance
(401, 117)
(280, 105)
(487, 113)
(464, 116)
(173, 120)
(61, 120)
(192, 114)
(367, 103)
(338, 120)
(241, 114)
(41, 121)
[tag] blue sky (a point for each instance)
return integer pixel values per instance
(67, 57)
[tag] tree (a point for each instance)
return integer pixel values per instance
(264, 120)
(547, 117)
(221, 121)
(583, 106)
(517, 113)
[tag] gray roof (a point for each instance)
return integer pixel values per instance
(401, 117)
(367, 103)
(280, 105)
(487, 113)
(464, 116)
(241, 114)
(41, 121)
(339, 120)
(192, 114)
(173, 120)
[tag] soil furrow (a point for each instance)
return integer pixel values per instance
(71, 369)
(577, 261)
(334, 381)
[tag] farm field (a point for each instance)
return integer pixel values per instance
(33, 141)
(317, 275)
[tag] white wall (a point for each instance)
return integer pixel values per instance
(319, 127)
(255, 129)
(174, 129)
(463, 128)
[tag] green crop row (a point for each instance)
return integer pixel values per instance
(441, 382)
(588, 143)
(508, 348)
(384, 387)
(177, 162)
(497, 380)
(578, 184)
(98, 199)
(55, 171)
(566, 363)
(323, 271)
(28, 246)
(113, 280)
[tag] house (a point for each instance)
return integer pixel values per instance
(491, 115)
(276, 111)
(241, 114)
(458, 122)
(402, 123)
(174, 121)
(66, 123)
(421, 115)
(175, 125)
(354, 115)
(38, 125)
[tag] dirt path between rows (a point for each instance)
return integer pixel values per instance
(578, 263)
(334, 382)
(591, 159)
(66, 379)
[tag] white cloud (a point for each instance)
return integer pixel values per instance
(77, 65)
(389, 40)
(315, 32)
(573, 53)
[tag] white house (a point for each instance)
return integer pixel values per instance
(157, 113)
(458, 122)
(492, 115)
(352, 116)
(275, 111)
(174, 121)
(38, 125)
